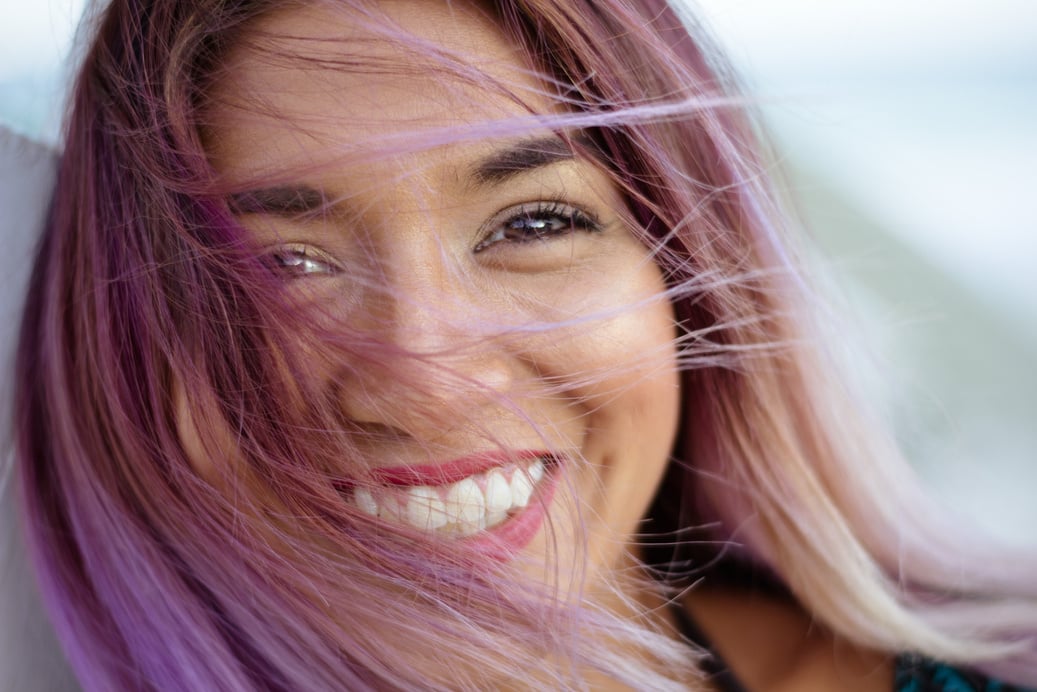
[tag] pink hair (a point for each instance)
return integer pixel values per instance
(153, 335)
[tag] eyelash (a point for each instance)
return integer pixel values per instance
(560, 218)
(521, 224)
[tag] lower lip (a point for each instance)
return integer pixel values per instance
(504, 541)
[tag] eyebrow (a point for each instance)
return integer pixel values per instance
(282, 200)
(521, 157)
(291, 201)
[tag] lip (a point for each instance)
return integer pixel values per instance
(454, 470)
(502, 542)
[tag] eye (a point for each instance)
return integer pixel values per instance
(535, 221)
(298, 259)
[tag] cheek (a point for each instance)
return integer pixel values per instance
(629, 400)
(632, 409)
(619, 338)
(618, 362)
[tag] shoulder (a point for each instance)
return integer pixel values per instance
(916, 674)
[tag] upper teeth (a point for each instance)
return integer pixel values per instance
(472, 504)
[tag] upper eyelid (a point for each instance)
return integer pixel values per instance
(295, 245)
(548, 205)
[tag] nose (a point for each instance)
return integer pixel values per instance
(436, 358)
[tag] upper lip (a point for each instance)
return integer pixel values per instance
(453, 470)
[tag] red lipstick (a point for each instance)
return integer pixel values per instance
(447, 472)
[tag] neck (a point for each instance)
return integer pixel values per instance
(772, 643)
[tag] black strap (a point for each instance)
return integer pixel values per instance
(720, 674)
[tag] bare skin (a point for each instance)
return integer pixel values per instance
(773, 645)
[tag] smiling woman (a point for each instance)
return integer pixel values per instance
(407, 345)
(501, 268)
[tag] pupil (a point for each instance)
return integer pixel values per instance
(534, 225)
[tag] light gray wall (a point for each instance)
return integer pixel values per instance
(30, 659)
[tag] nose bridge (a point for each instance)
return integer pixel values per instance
(422, 301)
(425, 305)
(422, 298)
(428, 310)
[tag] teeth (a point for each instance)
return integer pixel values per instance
(466, 504)
(389, 508)
(536, 471)
(498, 492)
(498, 497)
(365, 501)
(463, 508)
(521, 489)
(425, 510)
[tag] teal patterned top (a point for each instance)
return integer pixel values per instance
(911, 673)
(914, 674)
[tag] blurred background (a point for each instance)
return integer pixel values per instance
(910, 132)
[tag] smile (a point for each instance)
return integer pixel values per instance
(474, 503)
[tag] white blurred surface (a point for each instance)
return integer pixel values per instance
(952, 172)
(912, 127)
(793, 41)
(925, 114)
(35, 37)
(30, 659)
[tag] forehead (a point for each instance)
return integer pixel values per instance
(325, 81)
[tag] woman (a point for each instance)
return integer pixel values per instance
(413, 345)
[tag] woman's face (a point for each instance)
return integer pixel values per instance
(545, 349)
